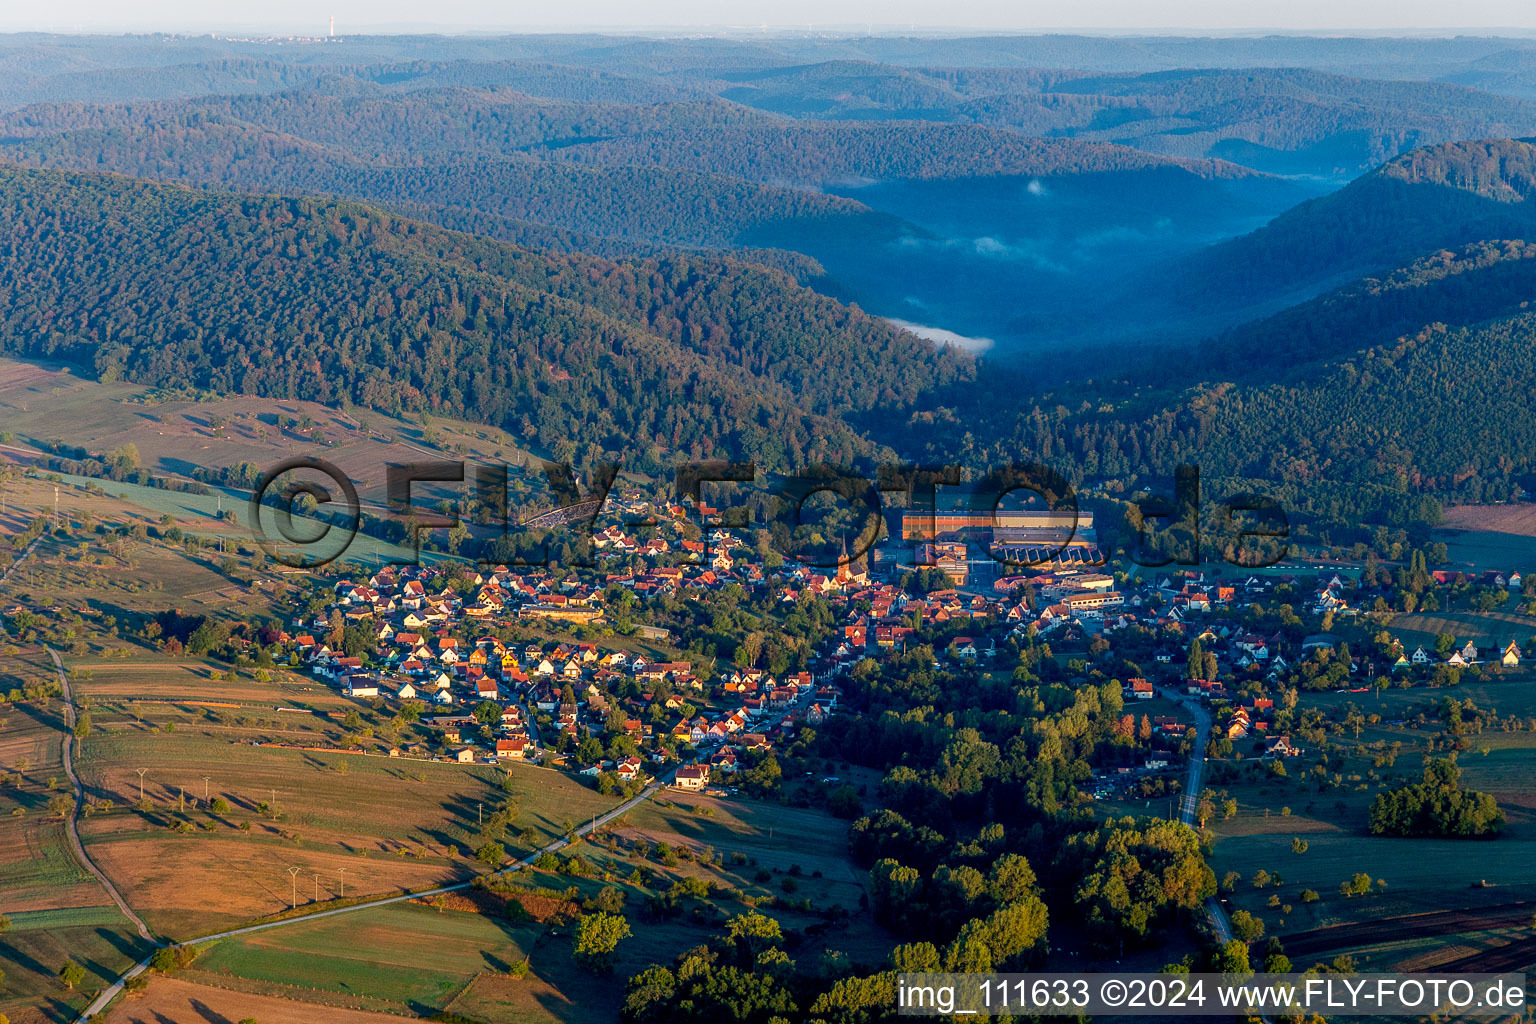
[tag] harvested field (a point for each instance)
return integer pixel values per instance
(173, 1001)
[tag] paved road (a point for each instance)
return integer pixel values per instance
(1191, 802)
(107, 995)
(71, 823)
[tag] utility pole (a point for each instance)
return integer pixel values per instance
(294, 874)
(181, 800)
(141, 772)
(205, 789)
(482, 813)
(343, 883)
(317, 888)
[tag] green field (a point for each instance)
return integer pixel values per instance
(39, 943)
(1489, 549)
(404, 957)
(1488, 629)
(1330, 815)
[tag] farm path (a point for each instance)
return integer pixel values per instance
(71, 825)
(110, 993)
(20, 558)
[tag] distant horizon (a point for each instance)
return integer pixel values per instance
(1204, 18)
(841, 31)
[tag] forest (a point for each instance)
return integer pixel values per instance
(325, 301)
(593, 278)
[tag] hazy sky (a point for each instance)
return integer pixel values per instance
(1021, 15)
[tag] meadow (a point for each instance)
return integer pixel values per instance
(419, 959)
(1329, 814)
(400, 958)
(1483, 537)
(372, 824)
(57, 910)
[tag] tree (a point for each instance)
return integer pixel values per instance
(1196, 666)
(844, 802)
(1231, 958)
(895, 893)
(589, 750)
(1015, 929)
(220, 805)
(1298, 845)
(491, 854)
(83, 725)
(1205, 809)
(1011, 879)
(597, 936)
(71, 974)
(1247, 927)
(915, 958)
(752, 933)
(609, 899)
(1359, 884)
(749, 650)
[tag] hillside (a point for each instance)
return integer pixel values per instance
(318, 300)
(1480, 282)
(927, 223)
(1440, 197)
(636, 204)
(1372, 404)
(1281, 120)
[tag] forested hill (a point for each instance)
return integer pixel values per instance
(816, 154)
(690, 173)
(1373, 404)
(650, 205)
(1479, 282)
(1287, 120)
(328, 301)
(1439, 197)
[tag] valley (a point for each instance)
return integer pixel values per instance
(565, 734)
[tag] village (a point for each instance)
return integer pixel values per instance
(602, 710)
